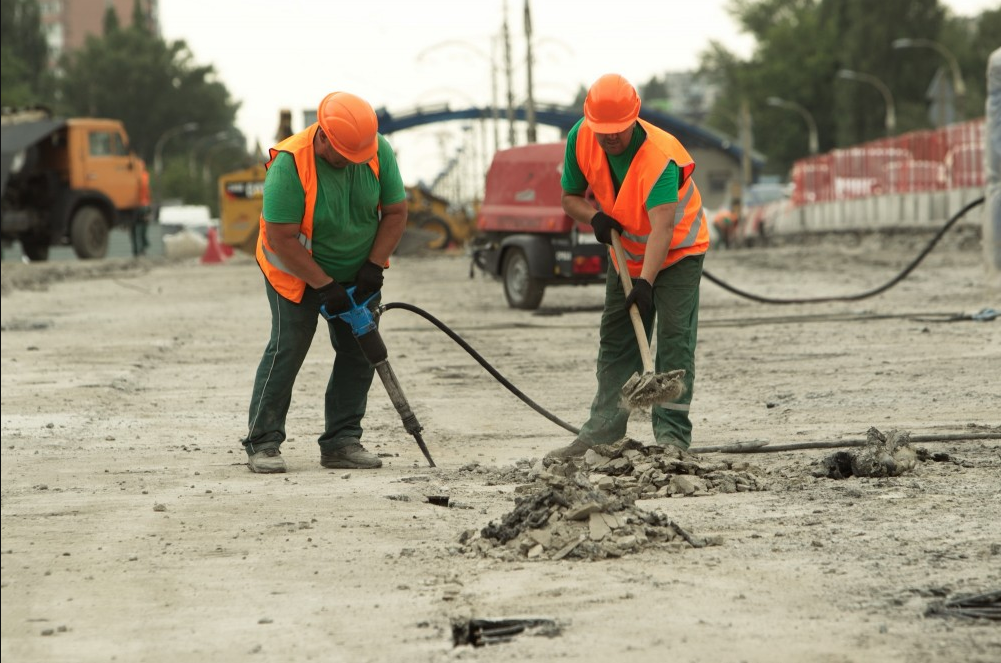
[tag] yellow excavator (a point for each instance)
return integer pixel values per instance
(432, 222)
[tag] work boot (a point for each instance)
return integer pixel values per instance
(268, 461)
(575, 449)
(351, 456)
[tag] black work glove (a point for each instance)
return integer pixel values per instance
(602, 225)
(641, 295)
(334, 298)
(368, 281)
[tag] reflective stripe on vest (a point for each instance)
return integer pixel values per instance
(281, 278)
(628, 206)
(691, 239)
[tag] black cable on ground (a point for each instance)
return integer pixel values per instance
(869, 293)
(559, 422)
(483, 362)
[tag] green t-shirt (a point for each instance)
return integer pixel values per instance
(346, 216)
(573, 180)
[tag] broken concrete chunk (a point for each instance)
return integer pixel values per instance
(598, 529)
(543, 537)
(594, 459)
(617, 466)
(567, 549)
(582, 511)
(683, 484)
(605, 482)
(633, 455)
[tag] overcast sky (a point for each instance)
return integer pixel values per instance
(399, 54)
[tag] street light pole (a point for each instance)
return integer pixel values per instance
(157, 188)
(530, 98)
(810, 123)
(494, 113)
(213, 149)
(507, 73)
(958, 86)
(891, 113)
(162, 140)
(206, 141)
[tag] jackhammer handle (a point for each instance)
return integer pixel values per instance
(634, 312)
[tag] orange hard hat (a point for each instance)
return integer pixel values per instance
(612, 105)
(350, 124)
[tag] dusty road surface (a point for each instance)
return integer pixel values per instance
(133, 531)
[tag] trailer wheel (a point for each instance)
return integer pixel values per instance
(439, 227)
(521, 290)
(35, 247)
(89, 233)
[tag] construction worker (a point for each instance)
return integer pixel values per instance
(334, 210)
(725, 222)
(641, 178)
(138, 233)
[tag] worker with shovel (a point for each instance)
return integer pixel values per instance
(334, 210)
(651, 212)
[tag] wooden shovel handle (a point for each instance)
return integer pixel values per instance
(634, 313)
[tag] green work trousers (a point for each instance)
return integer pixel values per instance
(139, 236)
(676, 305)
(292, 329)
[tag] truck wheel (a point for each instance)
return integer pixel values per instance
(89, 233)
(439, 227)
(521, 290)
(35, 248)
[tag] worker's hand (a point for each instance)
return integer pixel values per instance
(602, 225)
(334, 298)
(641, 295)
(368, 281)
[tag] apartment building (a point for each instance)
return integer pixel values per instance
(67, 23)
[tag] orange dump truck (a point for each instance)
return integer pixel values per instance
(68, 182)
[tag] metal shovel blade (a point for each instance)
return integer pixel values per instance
(653, 388)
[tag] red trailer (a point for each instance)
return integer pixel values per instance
(524, 237)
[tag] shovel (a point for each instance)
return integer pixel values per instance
(651, 388)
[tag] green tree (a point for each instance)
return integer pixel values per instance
(111, 23)
(801, 45)
(151, 85)
(140, 20)
(24, 55)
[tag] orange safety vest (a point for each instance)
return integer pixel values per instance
(691, 230)
(300, 146)
(144, 193)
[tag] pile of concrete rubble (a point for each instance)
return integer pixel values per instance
(586, 508)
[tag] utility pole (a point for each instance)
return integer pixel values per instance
(494, 102)
(530, 98)
(747, 144)
(507, 72)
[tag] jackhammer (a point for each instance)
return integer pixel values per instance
(362, 322)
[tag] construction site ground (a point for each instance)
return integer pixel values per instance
(133, 531)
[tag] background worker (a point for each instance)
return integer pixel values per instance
(641, 177)
(139, 232)
(726, 222)
(334, 211)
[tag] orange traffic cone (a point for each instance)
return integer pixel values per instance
(213, 252)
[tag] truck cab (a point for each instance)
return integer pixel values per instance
(524, 238)
(67, 182)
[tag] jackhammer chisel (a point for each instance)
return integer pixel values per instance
(362, 322)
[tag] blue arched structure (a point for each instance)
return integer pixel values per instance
(563, 118)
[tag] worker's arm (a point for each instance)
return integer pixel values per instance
(284, 240)
(659, 241)
(391, 227)
(577, 207)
